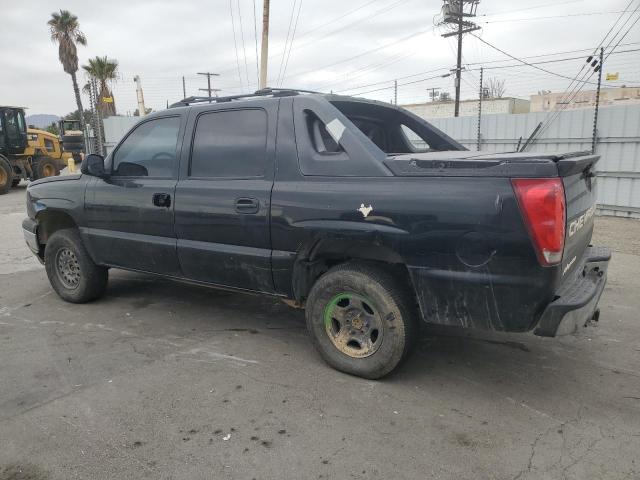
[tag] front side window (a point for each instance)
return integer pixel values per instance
(230, 144)
(149, 151)
(12, 124)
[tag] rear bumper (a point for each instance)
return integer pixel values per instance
(577, 299)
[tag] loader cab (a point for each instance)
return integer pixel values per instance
(13, 131)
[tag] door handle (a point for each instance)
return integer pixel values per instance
(162, 199)
(247, 205)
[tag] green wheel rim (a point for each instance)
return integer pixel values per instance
(353, 325)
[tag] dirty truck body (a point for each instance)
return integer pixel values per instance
(332, 203)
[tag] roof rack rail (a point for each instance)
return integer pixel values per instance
(265, 92)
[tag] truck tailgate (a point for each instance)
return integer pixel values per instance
(577, 173)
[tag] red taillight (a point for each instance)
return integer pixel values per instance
(542, 204)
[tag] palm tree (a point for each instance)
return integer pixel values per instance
(105, 71)
(65, 31)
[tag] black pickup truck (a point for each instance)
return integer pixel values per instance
(359, 211)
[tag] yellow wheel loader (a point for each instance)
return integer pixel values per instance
(25, 153)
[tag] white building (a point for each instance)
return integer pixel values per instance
(469, 108)
(550, 101)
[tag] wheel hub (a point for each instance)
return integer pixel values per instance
(353, 325)
(68, 268)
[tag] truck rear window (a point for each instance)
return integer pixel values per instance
(394, 130)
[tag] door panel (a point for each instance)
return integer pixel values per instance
(222, 202)
(216, 243)
(130, 214)
(127, 230)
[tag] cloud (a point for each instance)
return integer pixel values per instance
(164, 40)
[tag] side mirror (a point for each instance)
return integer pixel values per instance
(93, 164)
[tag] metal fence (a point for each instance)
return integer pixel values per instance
(618, 144)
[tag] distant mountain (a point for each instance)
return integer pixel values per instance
(41, 120)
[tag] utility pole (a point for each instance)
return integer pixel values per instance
(598, 68)
(141, 110)
(480, 106)
(184, 88)
(459, 62)
(395, 92)
(453, 12)
(209, 89)
(264, 54)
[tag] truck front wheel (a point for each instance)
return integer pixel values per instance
(362, 319)
(72, 273)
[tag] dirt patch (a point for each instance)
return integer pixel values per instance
(619, 234)
(22, 472)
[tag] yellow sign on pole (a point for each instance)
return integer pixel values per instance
(612, 76)
(107, 99)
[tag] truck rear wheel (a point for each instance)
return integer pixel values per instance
(72, 273)
(6, 176)
(361, 319)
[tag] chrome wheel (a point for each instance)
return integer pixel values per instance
(68, 268)
(353, 325)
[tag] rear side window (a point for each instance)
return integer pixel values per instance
(320, 137)
(230, 144)
(149, 151)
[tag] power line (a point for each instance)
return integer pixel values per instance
(235, 43)
(554, 16)
(522, 61)
(362, 54)
(550, 118)
(286, 41)
(401, 84)
(486, 68)
(244, 46)
(387, 81)
(332, 32)
(553, 4)
(293, 36)
(255, 39)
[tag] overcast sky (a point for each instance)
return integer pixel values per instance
(338, 45)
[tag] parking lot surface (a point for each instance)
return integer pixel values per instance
(166, 380)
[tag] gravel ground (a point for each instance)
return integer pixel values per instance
(162, 380)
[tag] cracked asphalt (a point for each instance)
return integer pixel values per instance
(163, 380)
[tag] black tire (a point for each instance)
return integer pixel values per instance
(6, 176)
(72, 273)
(366, 289)
(46, 167)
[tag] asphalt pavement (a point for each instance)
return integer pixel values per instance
(164, 380)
